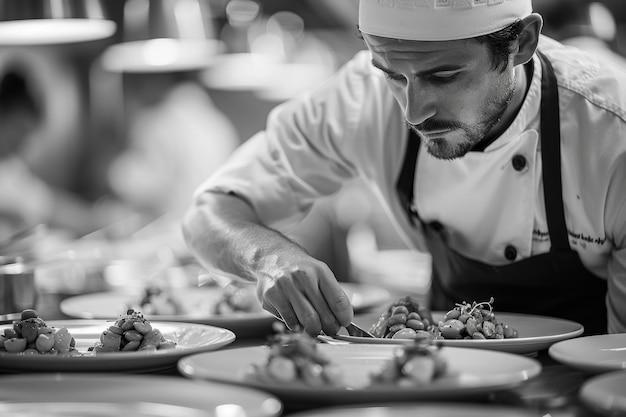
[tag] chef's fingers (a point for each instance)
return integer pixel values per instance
(337, 300)
(281, 308)
(300, 303)
(324, 302)
(308, 316)
(297, 312)
(297, 298)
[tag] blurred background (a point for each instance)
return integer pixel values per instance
(112, 113)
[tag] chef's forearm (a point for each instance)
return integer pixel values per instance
(224, 234)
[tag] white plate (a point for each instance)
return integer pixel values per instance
(470, 372)
(606, 393)
(421, 410)
(96, 409)
(190, 338)
(108, 305)
(535, 333)
(142, 395)
(599, 353)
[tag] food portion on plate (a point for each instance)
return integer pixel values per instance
(32, 336)
(295, 358)
(131, 332)
(189, 338)
(412, 365)
(467, 372)
(405, 318)
(232, 298)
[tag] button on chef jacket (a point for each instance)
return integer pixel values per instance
(490, 203)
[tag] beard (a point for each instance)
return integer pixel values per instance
(468, 134)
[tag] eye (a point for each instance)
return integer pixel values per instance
(444, 76)
(395, 77)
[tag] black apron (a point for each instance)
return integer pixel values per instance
(555, 283)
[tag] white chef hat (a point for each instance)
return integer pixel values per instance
(438, 20)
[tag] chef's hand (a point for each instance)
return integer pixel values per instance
(303, 291)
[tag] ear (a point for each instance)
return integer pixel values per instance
(528, 39)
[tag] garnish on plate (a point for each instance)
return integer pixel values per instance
(474, 321)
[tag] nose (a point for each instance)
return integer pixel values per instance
(420, 103)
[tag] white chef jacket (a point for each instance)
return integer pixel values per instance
(352, 126)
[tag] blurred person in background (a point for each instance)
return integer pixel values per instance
(496, 149)
(585, 24)
(175, 136)
(39, 117)
(171, 133)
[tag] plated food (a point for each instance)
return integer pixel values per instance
(231, 299)
(185, 338)
(131, 332)
(467, 372)
(199, 308)
(31, 335)
(204, 305)
(295, 358)
(405, 318)
(412, 365)
(534, 333)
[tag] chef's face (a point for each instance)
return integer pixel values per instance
(451, 93)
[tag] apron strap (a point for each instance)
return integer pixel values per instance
(551, 157)
(406, 180)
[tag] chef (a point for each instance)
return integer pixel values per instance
(496, 149)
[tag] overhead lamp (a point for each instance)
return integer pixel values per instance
(164, 36)
(47, 22)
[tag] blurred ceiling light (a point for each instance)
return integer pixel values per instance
(281, 61)
(242, 12)
(164, 36)
(602, 21)
(270, 44)
(240, 72)
(160, 55)
(286, 21)
(47, 22)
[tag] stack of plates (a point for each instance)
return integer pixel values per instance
(601, 354)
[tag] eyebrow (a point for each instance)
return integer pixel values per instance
(447, 67)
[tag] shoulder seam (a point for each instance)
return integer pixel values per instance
(590, 97)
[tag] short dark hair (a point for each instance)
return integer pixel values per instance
(500, 43)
